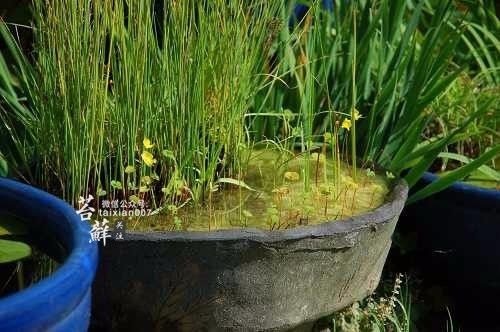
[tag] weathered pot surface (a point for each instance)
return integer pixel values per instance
(245, 279)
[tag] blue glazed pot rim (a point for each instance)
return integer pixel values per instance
(464, 187)
(57, 295)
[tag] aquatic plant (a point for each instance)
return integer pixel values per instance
(132, 98)
(379, 63)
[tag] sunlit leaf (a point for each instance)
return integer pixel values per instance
(11, 251)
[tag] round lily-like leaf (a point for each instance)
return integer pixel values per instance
(116, 185)
(129, 169)
(11, 251)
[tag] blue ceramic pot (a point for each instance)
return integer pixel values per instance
(458, 244)
(300, 10)
(61, 302)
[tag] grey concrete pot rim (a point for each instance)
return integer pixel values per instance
(383, 214)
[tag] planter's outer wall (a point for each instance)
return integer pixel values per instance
(458, 246)
(246, 280)
(60, 302)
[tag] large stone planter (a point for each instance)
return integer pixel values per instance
(248, 280)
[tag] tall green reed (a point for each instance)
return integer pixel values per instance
(479, 47)
(133, 98)
(388, 70)
(463, 97)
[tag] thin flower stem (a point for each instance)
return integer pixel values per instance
(353, 86)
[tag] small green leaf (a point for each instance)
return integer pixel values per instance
(484, 169)
(4, 170)
(172, 208)
(11, 251)
(10, 225)
(146, 180)
(116, 184)
(288, 115)
(134, 199)
(234, 182)
(168, 154)
(325, 189)
(129, 169)
(247, 214)
(178, 223)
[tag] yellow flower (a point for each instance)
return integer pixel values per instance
(357, 116)
(147, 143)
(346, 124)
(148, 158)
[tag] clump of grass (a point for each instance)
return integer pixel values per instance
(387, 313)
(143, 100)
(397, 307)
(466, 95)
(133, 102)
(133, 99)
(479, 46)
(371, 58)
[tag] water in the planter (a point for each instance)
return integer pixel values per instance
(22, 262)
(273, 197)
